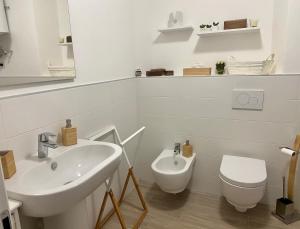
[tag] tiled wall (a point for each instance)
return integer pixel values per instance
(172, 109)
(199, 109)
(91, 108)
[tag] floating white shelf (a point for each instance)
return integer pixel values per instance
(65, 44)
(176, 29)
(229, 31)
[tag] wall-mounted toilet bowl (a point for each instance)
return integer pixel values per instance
(243, 181)
(172, 173)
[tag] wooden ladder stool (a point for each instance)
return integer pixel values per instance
(101, 221)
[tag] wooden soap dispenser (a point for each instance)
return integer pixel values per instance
(187, 149)
(69, 134)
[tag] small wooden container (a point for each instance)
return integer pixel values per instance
(235, 24)
(69, 134)
(196, 71)
(156, 72)
(8, 163)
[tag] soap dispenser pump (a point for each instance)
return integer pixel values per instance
(187, 149)
(69, 134)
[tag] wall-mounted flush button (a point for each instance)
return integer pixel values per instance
(245, 99)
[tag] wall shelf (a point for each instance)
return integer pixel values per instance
(176, 29)
(65, 44)
(229, 31)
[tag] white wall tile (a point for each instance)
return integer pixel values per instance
(200, 109)
(91, 108)
(27, 113)
(24, 144)
(123, 90)
(285, 87)
(173, 109)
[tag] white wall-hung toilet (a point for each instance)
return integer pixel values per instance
(172, 173)
(243, 181)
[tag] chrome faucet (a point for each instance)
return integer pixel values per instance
(176, 149)
(44, 143)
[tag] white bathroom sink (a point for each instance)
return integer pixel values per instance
(80, 169)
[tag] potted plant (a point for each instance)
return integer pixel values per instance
(202, 27)
(216, 25)
(209, 27)
(220, 67)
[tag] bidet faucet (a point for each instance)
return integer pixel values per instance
(177, 149)
(44, 143)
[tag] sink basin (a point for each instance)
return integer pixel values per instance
(51, 186)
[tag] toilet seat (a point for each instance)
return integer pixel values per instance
(243, 172)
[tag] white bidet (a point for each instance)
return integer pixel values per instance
(172, 173)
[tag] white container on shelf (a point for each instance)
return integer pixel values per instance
(175, 19)
(235, 67)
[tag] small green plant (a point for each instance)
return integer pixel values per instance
(202, 26)
(216, 23)
(208, 26)
(220, 67)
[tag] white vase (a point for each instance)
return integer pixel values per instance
(179, 18)
(171, 20)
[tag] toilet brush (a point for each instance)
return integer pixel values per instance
(285, 210)
(284, 206)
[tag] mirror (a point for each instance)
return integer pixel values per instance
(35, 41)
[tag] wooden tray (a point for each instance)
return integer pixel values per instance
(235, 24)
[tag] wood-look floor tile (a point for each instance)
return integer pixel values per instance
(194, 211)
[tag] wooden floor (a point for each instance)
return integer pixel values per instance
(189, 211)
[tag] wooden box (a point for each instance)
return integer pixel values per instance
(150, 73)
(8, 163)
(196, 71)
(156, 72)
(235, 24)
